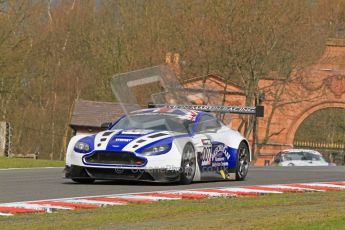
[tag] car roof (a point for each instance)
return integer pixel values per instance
(301, 150)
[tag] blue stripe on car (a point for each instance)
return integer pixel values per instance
(233, 157)
(114, 145)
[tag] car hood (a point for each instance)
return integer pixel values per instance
(130, 139)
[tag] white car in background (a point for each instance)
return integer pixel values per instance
(300, 157)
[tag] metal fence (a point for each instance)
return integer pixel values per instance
(321, 145)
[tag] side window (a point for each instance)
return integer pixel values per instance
(293, 156)
(207, 123)
(307, 157)
(316, 158)
(288, 157)
(311, 157)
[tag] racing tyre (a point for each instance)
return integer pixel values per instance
(291, 164)
(84, 180)
(243, 159)
(188, 164)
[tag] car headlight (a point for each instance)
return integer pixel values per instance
(82, 146)
(155, 149)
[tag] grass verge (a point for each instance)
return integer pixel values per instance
(280, 211)
(8, 162)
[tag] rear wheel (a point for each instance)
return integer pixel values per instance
(84, 180)
(188, 164)
(243, 159)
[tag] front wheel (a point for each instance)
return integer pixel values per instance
(188, 164)
(243, 159)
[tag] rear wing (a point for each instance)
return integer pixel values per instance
(258, 111)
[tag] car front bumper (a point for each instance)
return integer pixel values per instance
(151, 175)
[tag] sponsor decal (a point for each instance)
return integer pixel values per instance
(220, 156)
(123, 140)
(206, 141)
(215, 108)
(214, 155)
(206, 156)
(221, 151)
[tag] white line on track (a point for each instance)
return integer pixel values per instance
(286, 187)
(5, 214)
(47, 208)
(154, 198)
(242, 189)
(32, 168)
(94, 202)
(233, 188)
(325, 185)
(211, 194)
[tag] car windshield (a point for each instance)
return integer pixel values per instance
(162, 122)
(292, 156)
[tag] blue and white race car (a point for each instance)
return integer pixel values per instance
(160, 144)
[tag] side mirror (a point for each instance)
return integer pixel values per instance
(106, 125)
(151, 105)
(277, 160)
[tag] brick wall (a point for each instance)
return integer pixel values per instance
(317, 87)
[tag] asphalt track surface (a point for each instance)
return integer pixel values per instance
(48, 183)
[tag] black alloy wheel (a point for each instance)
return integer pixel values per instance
(188, 164)
(243, 159)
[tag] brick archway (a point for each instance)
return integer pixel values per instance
(306, 113)
(319, 86)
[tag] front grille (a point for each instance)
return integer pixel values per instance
(118, 174)
(114, 158)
